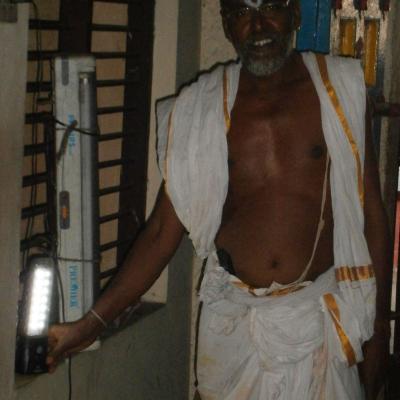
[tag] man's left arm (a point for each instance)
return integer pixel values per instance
(376, 350)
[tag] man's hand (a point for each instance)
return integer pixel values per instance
(374, 368)
(69, 338)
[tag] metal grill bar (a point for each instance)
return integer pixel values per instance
(32, 118)
(25, 244)
(116, 243)
(45, 25)
(114, 110)
(113, 217)
(115, 82)
(108, 273)
(34, 55)
(110, 28)
(114, 54)
(31, 180)
(32, 149)
(117, 1)
(46, 86)
(111, 136)
(114, 163)
(115, 189)
(49, 54)
(34, 211)
(33, 87)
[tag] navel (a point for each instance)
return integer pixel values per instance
(274, 264)
(317, 152)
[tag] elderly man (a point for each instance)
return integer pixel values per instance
(268, 164)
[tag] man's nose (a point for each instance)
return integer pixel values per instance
(256, 21)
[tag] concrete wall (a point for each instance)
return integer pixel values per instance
(13, 39)
(214, 46)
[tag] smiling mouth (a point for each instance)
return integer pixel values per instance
(262, 43)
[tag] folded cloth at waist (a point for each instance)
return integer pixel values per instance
(302, 345)
(283, 328)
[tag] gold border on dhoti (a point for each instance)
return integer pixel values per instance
(323, 68)
(226, 108)
(333, 309)
(360, 273)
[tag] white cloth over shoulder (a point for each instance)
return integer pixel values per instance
(193, 154)
(351, 256)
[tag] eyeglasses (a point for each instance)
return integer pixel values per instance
(270, 9)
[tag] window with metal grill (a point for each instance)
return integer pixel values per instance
(120, 34)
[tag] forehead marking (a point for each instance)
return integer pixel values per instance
(253, 3)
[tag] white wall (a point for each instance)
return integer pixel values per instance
(13, 65)
(214, 46)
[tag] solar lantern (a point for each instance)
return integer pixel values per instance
(36, 309)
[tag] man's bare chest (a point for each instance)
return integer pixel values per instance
(276, 140)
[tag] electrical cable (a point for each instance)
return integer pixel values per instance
(79, 130)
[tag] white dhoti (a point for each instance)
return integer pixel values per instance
(273, 347)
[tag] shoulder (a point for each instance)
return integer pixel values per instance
(205, 82)
(203, 87)
(347, 66)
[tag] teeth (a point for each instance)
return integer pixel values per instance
(262, 42)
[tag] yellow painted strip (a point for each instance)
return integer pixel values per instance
(371, 37)
(361, 273)
(346, 127)
(348, 28)
(226, 108)
(335, 314)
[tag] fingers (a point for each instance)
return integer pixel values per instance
(63, 341)
(56, 347)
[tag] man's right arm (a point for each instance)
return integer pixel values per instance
(149, 255)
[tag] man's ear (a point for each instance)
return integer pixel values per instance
(296, 13)
(225, 25)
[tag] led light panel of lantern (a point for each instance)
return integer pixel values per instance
(37, 307)
(39, 304)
